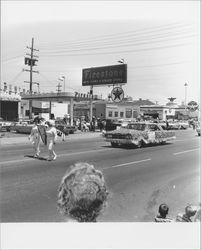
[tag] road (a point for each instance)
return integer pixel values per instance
(138, 179)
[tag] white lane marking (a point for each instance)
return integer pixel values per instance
(61, 155)
(186, 139)
(126, 164)
(186, 151)
(84, 152)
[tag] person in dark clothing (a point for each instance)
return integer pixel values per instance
(162, 214)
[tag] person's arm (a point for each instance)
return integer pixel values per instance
(55, 135)
(31, 134)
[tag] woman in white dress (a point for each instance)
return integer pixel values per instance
(51, 133)
(35, 137)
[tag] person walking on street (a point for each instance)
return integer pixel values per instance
(35, 137)
(51, 133)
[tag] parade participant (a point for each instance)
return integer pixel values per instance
(82, 193)
(186, 217)
(162, 216)
(51, 133)
(35, 137)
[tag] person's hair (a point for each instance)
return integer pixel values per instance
(36, 120)
(190, 211)
(82, 193)
(163, 210)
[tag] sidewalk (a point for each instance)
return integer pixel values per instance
(23, 139)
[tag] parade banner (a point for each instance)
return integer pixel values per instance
(114, 74)
(42, 132)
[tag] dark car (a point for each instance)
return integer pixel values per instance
(65, 128)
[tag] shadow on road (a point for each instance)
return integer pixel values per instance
(37, 158)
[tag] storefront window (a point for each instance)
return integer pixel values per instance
(135, 114)
(128, 113)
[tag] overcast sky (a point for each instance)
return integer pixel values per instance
(159, 41)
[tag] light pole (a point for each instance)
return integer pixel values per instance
(185, 85)
(62, 78)
(121, 61)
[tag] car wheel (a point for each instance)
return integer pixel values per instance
(113, 144)
(139, 145)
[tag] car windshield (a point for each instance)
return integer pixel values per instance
(136, 126)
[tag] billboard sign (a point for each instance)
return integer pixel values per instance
(114, 74)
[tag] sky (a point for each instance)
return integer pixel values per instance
(158, 40)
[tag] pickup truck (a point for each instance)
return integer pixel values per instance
(139, 134)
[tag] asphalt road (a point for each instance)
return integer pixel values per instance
(138, 179)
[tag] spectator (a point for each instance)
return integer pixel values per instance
(51, 133)
(197, 217)
(82, 193)
(162, 214)
(186, 217)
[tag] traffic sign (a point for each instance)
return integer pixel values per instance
(117, 94)
(192, 106)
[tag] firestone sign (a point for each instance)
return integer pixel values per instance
(114, 74)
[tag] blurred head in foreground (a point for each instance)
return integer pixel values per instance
(82, 193)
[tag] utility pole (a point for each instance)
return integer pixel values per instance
(91, 103)
(30, 61)
(58, 88)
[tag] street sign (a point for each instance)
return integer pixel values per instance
(107, 75)
(117, 94)
(192, 106)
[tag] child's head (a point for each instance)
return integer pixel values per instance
(163, 210)
(190, 211)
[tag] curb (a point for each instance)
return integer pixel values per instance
(7, 141)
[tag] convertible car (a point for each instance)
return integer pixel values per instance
(139, 134)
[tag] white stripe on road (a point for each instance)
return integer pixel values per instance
(84, 152)
(187, 139)
(61, 155)
(187, 151)
(126, 164)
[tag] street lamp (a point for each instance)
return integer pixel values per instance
(62, 78)
(185, 85)
(121, 61)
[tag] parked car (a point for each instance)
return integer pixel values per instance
(65, 128)
(173, 125)
(22, 127)
(139, 133)
(4, 125)
(183, 124)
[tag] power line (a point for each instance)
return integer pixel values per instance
(114, 46)
(119, 51)
(11, 58)
(167, 35)
(115, 35)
